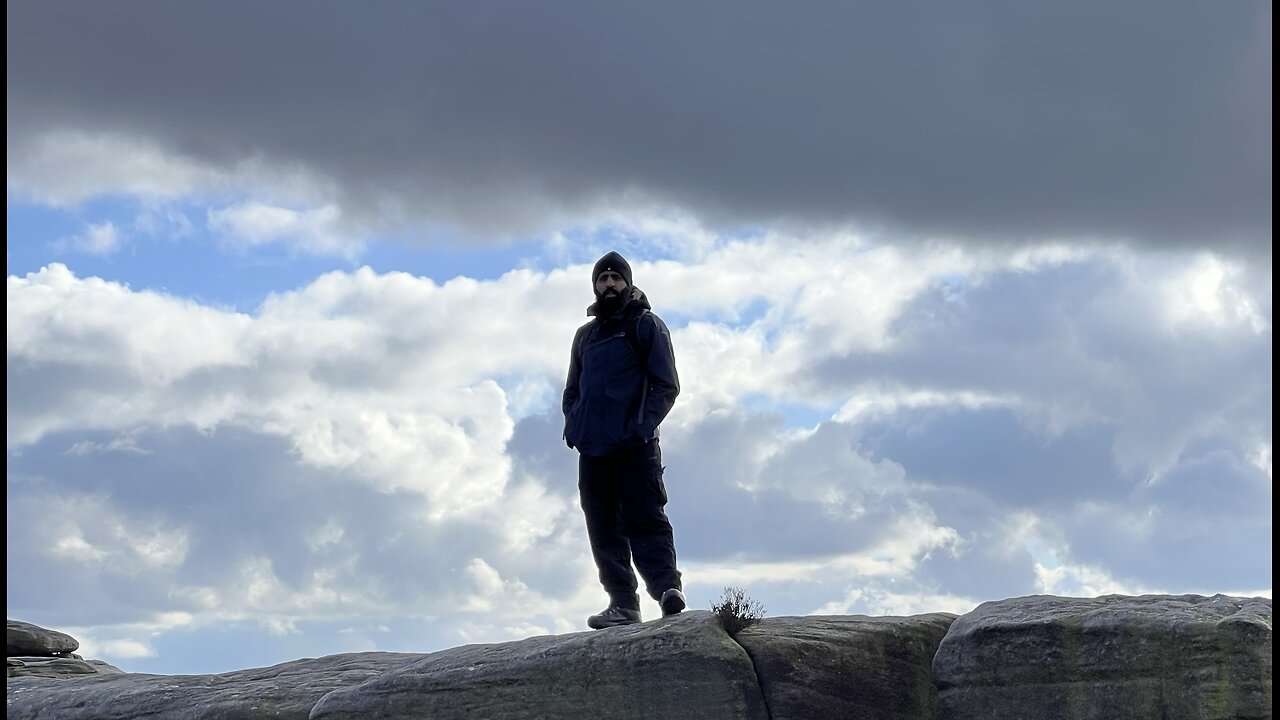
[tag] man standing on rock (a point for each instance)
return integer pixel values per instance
(622, 383)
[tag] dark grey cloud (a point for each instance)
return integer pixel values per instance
(993, 451)
(537, 450)
(1204, 524)
(991, 563)
(1084, 340)
(1000, 121)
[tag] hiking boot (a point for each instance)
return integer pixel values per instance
(672, 602)
(613, 616)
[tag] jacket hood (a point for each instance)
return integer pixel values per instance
(634, 300)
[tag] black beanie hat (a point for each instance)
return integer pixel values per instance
(615, 262)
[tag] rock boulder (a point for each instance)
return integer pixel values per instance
(1108, 658)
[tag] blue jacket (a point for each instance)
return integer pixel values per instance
(607, 404)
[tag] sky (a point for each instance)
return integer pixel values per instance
(968, 302)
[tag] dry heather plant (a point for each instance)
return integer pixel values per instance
(737, 611)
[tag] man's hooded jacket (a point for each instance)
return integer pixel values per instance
(608, 405)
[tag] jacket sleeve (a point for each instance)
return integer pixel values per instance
(664, 383)
(575, 370)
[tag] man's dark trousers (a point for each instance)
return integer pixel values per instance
(623, 499)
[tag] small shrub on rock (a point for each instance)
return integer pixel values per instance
(737, 611)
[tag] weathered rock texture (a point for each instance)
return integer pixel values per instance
(27, 639)
(37, 652)
(1159, 657)
(846, 666)
(1112, 657)
(57, 667)
(281, 691)
(680, 667)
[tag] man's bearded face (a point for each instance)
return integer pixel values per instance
(609, 285)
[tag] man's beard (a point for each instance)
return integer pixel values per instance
(607, 304)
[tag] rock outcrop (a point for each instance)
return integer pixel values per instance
(288, 690)
(1108, 658)
(1036, 657)
(27, 639)
(846, 666)
(35, 651)
(682, 666)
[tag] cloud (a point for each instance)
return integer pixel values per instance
(97, 239)
(1002, 122)
(66, 167)
(123, 443)
(353, 452)
(316, 231)
(967, 304)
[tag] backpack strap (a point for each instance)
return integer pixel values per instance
(633, 338)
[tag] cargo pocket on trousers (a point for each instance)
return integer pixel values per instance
(656, 471)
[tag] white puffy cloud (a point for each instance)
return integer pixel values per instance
(318, 231)
(382, 448)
